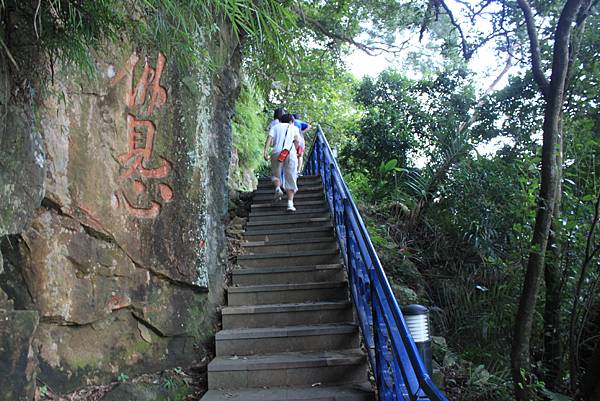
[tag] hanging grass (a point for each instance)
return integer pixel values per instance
(71, 30)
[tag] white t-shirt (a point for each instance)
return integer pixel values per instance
(284, 135)
(273, 123)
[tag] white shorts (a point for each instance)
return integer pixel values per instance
(290, 170)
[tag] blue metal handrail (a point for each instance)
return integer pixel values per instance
(396, 363)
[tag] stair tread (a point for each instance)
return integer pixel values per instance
(285, 269)
(301, 178)
(282, 287)
(300, 204)
(291, 307)
(305, 188)
(287, 331)
(293, 219)
(348, 392)
(316, 252)
(246, 244)
(287, 360)
(312, 195)
(325, 227)
(284, 212)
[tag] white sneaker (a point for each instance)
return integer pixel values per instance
(291, 207)
(278, 194)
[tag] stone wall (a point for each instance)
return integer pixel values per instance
(112, 195)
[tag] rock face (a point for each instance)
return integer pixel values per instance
(16, 353)
(116, 189)
(21, 159)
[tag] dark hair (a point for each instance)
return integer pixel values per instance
(296, 116)
(286, 118)
(278, 114)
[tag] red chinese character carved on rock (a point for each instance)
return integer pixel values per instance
(138, 162)
(137, 94)
(141, 144)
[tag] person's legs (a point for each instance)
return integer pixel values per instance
(290, 171)
(300, 158)
(276, 173)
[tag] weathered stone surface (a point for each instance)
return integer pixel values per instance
(6, 304)
(173, 310)
(21, 161)
(17, 360)
(76, 355)
(136, 392)
(240, 178)
(236, 227)
(15, 255)
(75, 278)
(404, 295)
(146, 392)
(90, 288)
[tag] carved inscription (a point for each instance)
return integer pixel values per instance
(142, 171)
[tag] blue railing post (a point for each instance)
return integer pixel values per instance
(333, 194)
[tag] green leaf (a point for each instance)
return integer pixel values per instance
(587, 198)
(552, 396)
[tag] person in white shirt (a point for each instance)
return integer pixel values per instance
(284, 137)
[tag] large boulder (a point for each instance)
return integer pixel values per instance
(117, 195)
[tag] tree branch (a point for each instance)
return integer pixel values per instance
(534, 44)
(370, 49)
(467, 53)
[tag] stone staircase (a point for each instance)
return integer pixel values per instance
(289, 331)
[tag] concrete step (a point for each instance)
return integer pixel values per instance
(317, 187)
(285, 215)
(265, 182)
(296, 258)
(283, 212)
(305, 194)
(282, 205)
(352, 392)
(270, 340)
(289, 245)
(288, 369)
(289, 217)
(287, 293)
(287, 314)
(288, 274)
(266, 234)
(288, 221)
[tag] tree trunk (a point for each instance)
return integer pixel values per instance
(554, 97)
(553, 350)
(520, 362)
(553, 279)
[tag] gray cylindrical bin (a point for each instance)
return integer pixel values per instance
(417, 320)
